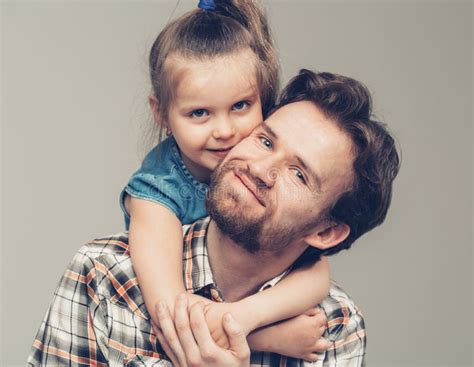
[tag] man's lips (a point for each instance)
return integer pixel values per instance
(250, 186)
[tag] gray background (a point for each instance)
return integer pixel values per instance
(74, 89)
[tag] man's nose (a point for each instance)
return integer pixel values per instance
(265, 170)
(224, 128)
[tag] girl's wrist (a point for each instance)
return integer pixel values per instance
(265, 339)
(250, 314)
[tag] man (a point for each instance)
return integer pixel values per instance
(307, 182)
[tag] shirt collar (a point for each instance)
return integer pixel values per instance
(196, 268)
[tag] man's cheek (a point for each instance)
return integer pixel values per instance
(243, 151)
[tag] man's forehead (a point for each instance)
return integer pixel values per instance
(295, 121)
(312, 138)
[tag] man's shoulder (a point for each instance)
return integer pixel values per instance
(116, 244)
(338, 299)
(344, 318)
(345, 330)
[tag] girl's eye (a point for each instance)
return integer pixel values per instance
(268, 143)
(299, 176)
(240, 105)
(199, 113)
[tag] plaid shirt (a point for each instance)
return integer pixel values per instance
(98, 317)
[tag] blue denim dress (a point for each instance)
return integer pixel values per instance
(163, 178)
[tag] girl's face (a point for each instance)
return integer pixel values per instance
(216, 103)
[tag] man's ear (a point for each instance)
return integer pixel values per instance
(328, 234)
(155, 108)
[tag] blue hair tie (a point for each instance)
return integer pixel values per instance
(207, 5)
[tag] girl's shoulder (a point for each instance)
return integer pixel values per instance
(163, 178)
(163, 156)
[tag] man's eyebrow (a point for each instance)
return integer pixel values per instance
(269, 130)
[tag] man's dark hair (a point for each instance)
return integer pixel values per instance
(348, 103)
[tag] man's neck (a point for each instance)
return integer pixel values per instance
(239, 273)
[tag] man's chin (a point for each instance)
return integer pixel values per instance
(234, 211)
(235, 221)
(243, 233)
(240, 215)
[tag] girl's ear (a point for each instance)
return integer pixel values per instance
(327, 235)
(155, 108)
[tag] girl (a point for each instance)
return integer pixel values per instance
(214, 76)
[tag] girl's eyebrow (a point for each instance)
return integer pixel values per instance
(247, 94)
(191, 103)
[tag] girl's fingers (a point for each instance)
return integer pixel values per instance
(169, 333)
(320, 319)
(312, 311)
(312, 357)
(321, 345)
(236, 335)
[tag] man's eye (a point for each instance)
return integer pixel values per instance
(240, 105)
(199, 113)
(299, 175)
(268, 144)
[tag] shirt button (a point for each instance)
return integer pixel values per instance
(215, 295)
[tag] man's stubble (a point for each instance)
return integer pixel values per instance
(253, 232)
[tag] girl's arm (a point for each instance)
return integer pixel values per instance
(156, 249)
(302, 289)
(299, 337)
(292, 300)
(295, 295)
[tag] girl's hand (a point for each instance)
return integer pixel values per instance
(299, 337)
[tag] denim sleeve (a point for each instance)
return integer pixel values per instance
(162, 190)
(158, 180)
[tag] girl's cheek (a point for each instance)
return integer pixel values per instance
(244, 149)
(242, 138)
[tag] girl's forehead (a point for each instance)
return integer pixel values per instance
(242, 61)
(230, 74)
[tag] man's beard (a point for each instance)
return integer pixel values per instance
(222, 204)
(254, 233)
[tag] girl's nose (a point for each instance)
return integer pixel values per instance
(223, 130)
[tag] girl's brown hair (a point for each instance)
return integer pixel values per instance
(234, 25)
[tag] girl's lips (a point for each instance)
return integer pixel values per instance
(220, 152)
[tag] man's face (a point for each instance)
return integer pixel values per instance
(275, 185)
